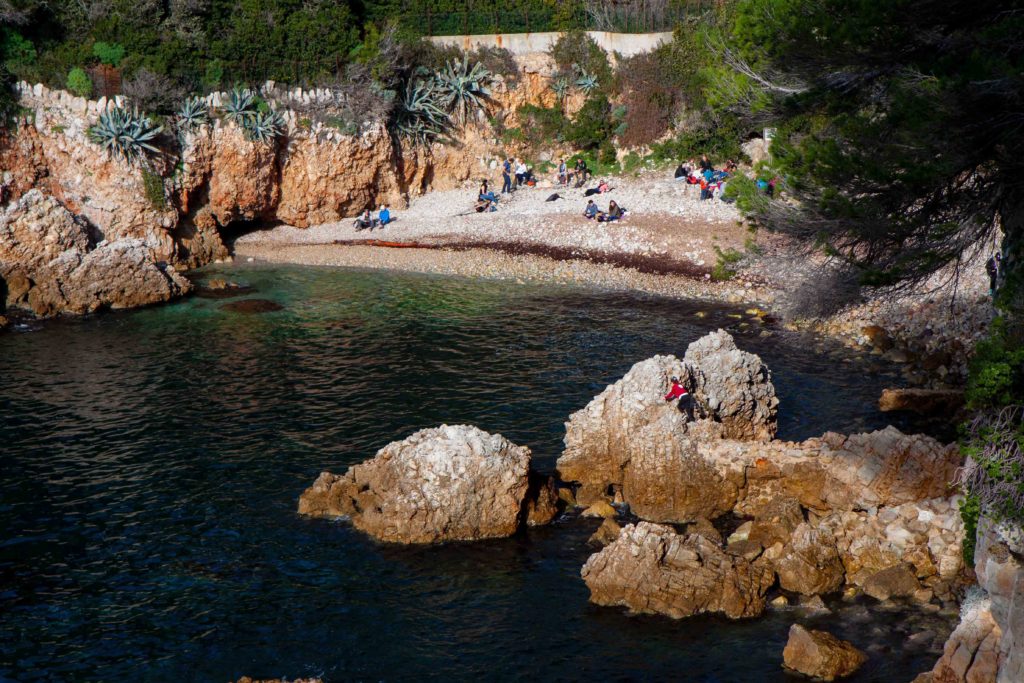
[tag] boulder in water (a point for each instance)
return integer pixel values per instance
(820, 654)
(49, 264)
(449, 483)
(651, 569)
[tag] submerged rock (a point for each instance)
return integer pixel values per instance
(449, 483)
(651, 569)
(252, 306)
(820, 654)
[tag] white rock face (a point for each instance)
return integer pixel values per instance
(444, 484)
(735, 386)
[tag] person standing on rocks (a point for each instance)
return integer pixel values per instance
(992, 268)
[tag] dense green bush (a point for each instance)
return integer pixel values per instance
(110, 54)
(79, 83)
(996, 375)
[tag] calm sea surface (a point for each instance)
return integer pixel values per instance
(150, 465)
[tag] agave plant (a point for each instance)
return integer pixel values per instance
(264, 126)
(561, 88)
(463, 88)
(240, 106)
(421, 115)
(193, 113)
(125, 133)
(586, 82)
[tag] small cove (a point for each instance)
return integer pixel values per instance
(152, 463)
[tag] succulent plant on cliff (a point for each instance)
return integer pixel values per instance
(241, 105)
(420, 115)
(193, 113)
(264, 126)
(561, 88)
(125, 133)
(463, 88)
(587, 83)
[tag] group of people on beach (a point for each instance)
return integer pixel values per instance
(614, 212)
(367, 222)
(515, 174)
(711, 181)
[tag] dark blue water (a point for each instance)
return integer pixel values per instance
(151, 464)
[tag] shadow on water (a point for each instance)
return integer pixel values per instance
(152, 462)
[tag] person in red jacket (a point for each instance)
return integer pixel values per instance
(677, 390)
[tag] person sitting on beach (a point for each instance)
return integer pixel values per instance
(591, 211)
(384, 217)
(365, 221)
(485, 193)
(521, 173)
(615, 212)
(705, 163)
(683, 171)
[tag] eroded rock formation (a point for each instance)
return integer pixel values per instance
(450, 483)
(867, 510)
(651, 569)
(630, 438)
(49, 263)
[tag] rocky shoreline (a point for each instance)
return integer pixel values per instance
(861, 515)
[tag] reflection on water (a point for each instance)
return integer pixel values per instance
(152, 462)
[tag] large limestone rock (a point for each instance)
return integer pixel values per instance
(650, 568)
(630, 439)
(735, 386)
(811, 563)
(48, 265)
(450, 483)
(820, 654)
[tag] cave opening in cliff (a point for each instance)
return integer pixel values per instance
(241, 227)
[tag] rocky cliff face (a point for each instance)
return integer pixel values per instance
(988, 644)
(452, 483)
(214, 176)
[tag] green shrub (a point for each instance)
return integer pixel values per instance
(213, 74)
(154, 188)
(723, 268)
(593, 126)
(110, 54)
(79, 83)
(970, 512)
(996, 376)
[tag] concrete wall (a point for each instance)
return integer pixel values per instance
(626, 44)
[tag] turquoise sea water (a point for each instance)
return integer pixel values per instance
(152, 461)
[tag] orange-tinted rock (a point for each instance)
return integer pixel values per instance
(820, 654)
